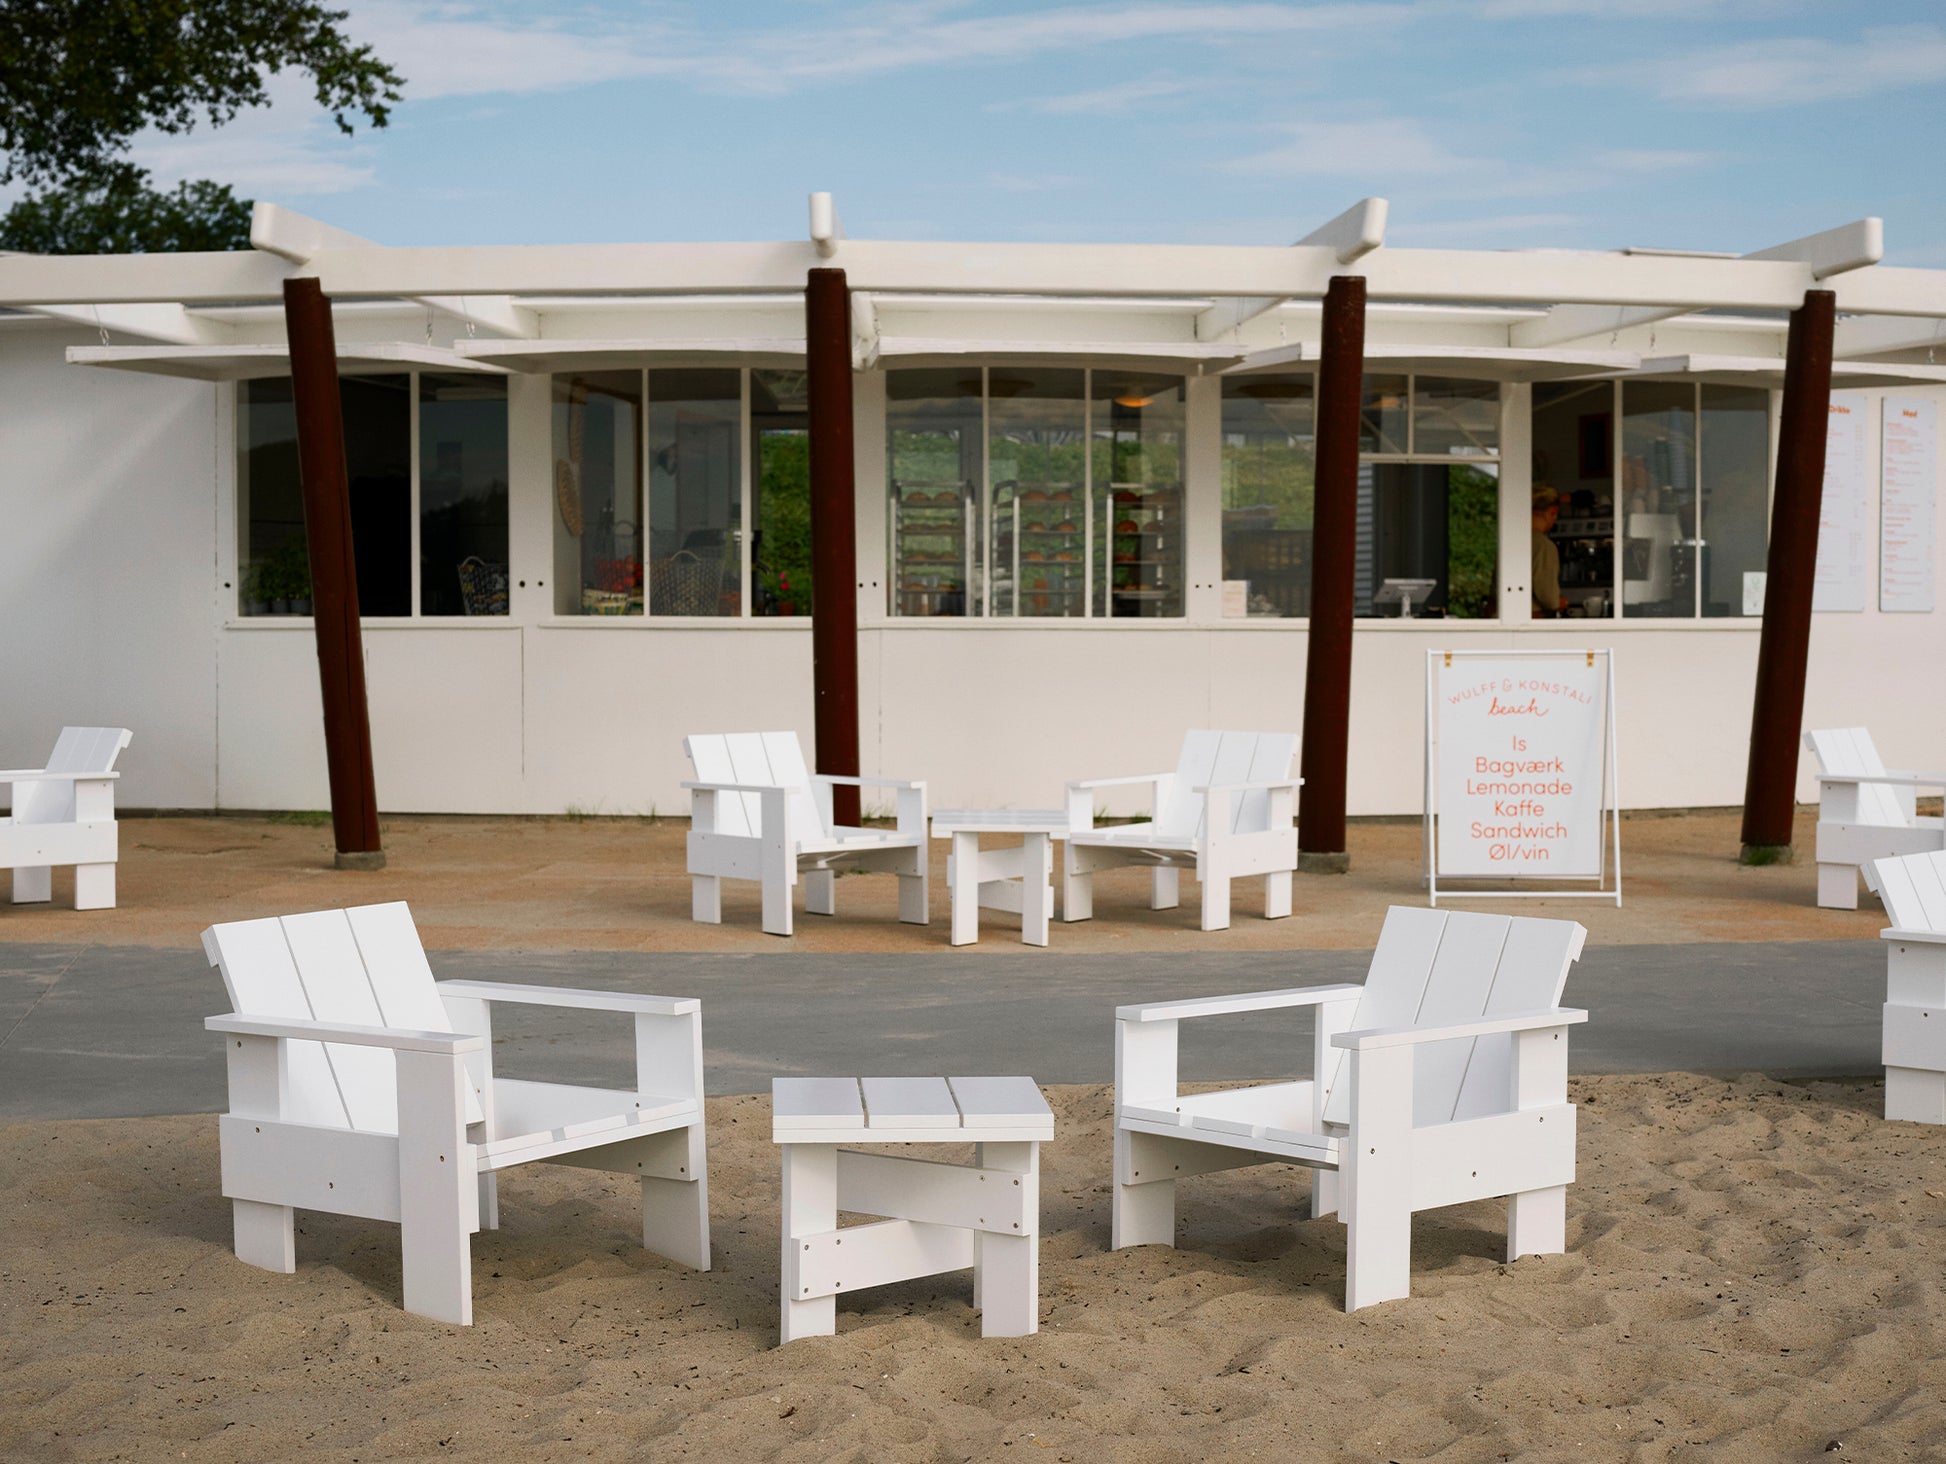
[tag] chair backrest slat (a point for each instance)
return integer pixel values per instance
(1913, 888)
(1181, 810)
(1212, 758)
(709, 757)
(76, 750)
(1271, 758)
(1436, 967)
(1849, 752)
(360, 967)
(787, 766)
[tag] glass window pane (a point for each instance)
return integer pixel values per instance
(780, 550)
(695, 492)
(1573, 455)
(1736, 493)
(462, 495)
(1455, 418)
(1429, 532)
(272, 554)
(1137, 501)
(1036, 454)
(1269, 475)
(932, 457)
(1382, 418)
(1658, 490)
(598, 493)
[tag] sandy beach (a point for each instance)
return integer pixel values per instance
(1755, 1272)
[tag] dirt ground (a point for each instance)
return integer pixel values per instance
(619, 884)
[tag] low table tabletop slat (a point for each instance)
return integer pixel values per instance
(949, 821)
(897, 1103)
(1001, 1103)
(931, 1110)
(820, 1103)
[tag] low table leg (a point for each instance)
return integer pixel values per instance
(810, 1208)
(965, 895)
(1036, 894)
(1007, 1268)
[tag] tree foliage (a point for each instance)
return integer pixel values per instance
(80, 78)
(117, 212)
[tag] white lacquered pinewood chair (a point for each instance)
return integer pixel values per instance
(360, 1086)
(1443, 1079)
(757, 812)
(1227, 812)
(64, 813)
(1865, 812)
(1913, 1043)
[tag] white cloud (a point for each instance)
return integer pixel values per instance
(1782, 72)
(1653, 160)
(1035, 183)
(1500, 226)
(445, 50)
(287, 149)
(1113, 100)
(1374, 148)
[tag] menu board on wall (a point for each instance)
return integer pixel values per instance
(1843, 527)
(1908, 477)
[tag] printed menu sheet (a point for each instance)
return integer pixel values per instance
(1843, 525)
(1907, 483)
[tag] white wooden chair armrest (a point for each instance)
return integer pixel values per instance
(1264, 787)
(1088, 783)
(29, 775)
(1376, 1037)
(398, 1039)
(1901, 780)
(736, 787)
(852, 782)
(568, 996)
(1923, 937)
(1249, 1001)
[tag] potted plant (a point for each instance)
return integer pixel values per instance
(256, 597)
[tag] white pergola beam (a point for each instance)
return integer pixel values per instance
(300, 238)
(1350, 236)
(826, 230)
(1856, 245)
(164, 322)
(864, 331)
(1877, 335)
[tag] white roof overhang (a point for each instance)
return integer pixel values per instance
(1769, 371)
(546, 357)
(1493, 363)
(244, 363)
(922, 350)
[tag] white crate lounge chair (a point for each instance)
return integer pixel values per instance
(64, 813)
(1914, 1042)
(1442, 1080)
(1865, 812)
(360, 1086)
(757, 812)
(1225, 813)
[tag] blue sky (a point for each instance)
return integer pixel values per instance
(1707, 124)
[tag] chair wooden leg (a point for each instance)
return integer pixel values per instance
(1216, 902)
(438, 1187)
(915, 897)
(1139, 1214)
(820, 893)
(1378, 1178)
(31, 886)
(777, 907)
(706, 899)
(1277, 895)
(1537, 1222)
(1164, 890)
(675, 1206)
(1325, 1189)
(1077, 896)
(94, 886)
(1838, 886)
(489, 1202)
(1915, 1095)
(265, 1235)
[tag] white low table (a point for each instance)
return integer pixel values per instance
(943, 1217)
(1018, 879)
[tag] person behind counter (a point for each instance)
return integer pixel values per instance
(1548, 599)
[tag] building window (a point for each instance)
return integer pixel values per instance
(933, 461)
(1068, 501)
(272, 554)
(598, 494)
(696, 492)
(1675, 507)
(780, 433)
(1269, 493)
(462, 495)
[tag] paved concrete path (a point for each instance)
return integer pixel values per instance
(102, 1031)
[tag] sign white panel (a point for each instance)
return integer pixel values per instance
(1908, 480)
(1520, 764)
(1843, 525)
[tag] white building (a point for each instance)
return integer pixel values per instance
(1083, 504)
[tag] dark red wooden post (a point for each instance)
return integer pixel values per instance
(834, 534)
(1334, 540)
(334, 576)
(1776, 722)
